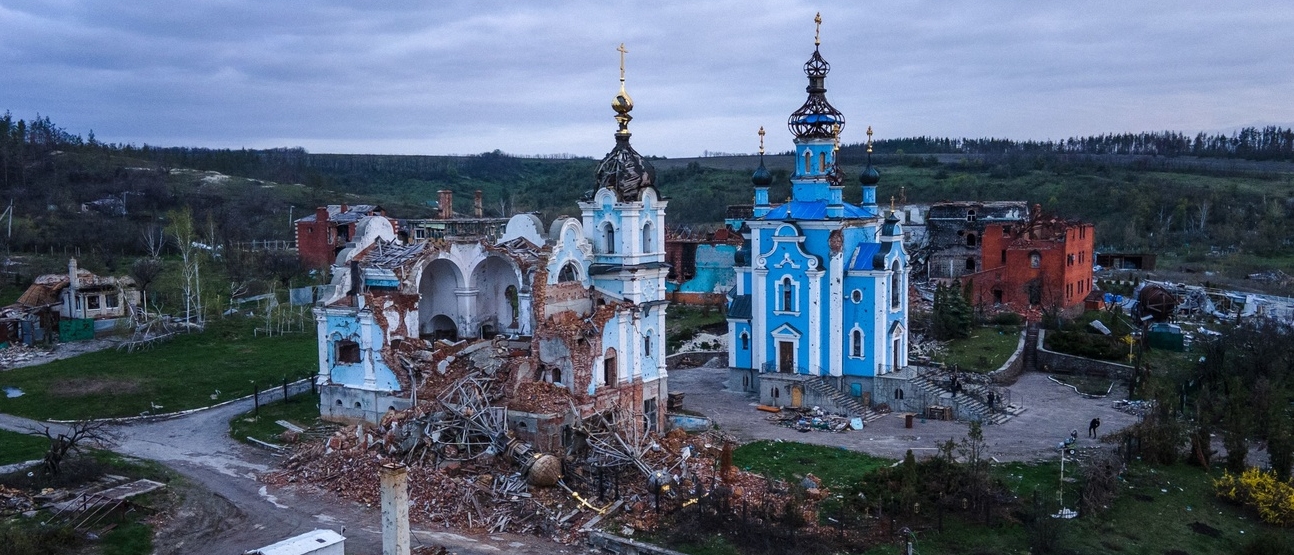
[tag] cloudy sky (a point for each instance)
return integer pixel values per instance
(440, 76)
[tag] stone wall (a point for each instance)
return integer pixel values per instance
(1010, 371)
(1060, 363)
(696, 359)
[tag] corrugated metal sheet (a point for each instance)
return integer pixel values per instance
(814, 210)
(740, 309)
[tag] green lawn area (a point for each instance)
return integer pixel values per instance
(302, 410)
(16, 447)
(180, 374)
(985, 350)
(835, 466)
(684, 322)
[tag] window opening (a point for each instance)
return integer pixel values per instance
(856, 349)
(347, 352)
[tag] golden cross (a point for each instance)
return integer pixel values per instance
(869, 139)
(817, 28)
(622, 61)
(835, 133)
(761, 139)
(891, 203)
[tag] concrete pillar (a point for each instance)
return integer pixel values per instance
(395, 509)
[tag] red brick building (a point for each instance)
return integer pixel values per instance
(1046, 262)
(320, 236)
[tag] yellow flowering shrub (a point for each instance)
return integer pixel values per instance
(1273, 499)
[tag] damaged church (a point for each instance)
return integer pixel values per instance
(563, 320)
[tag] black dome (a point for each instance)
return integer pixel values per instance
(869, 176)
(762, 177)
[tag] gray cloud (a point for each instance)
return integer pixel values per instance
(464, 77)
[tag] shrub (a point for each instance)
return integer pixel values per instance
(1007, 319)
(1255, 488)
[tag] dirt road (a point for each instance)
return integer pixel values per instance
(226, 510)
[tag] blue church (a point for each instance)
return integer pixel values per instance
(821, 292)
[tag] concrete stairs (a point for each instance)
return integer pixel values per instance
(1030, 347)
(844, 403)
(971, 399)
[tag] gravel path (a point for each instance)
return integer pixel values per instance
(1052, 411)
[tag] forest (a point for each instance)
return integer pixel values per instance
(1233, 194)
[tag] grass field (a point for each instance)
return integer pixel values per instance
(835, 466)
(302, 410)
(16, 447)
(985, 350)
(181, 374)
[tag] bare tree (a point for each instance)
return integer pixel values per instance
(1205, 206)
(154, 240)
(77, 434)
(185, 236)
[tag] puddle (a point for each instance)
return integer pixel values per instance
(11, 392)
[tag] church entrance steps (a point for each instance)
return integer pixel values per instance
(971, 401)
(843, 403)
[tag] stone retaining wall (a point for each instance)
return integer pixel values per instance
(1010, 371)
(696, 358)
(1060, 363)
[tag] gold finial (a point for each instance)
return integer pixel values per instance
(817, 29)
(891, 204)
(761, 139)
(869, 139)
(903, 194)
(622, 103)
(835, 135)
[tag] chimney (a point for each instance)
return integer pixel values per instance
(321, 214)
(344, 209)
(476, 204)
(395, 509)
(446, 202)
(72, 280)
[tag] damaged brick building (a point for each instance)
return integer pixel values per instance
(322, 235)
(1044, 262)
(955, 229)
(565, 316)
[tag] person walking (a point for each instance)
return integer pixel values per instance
(1091, 427)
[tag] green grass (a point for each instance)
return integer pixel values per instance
(835, 466)
(302, 410)
(986, 350)
(16, 447)
(181, 374)
(131, 538)
(684, 322)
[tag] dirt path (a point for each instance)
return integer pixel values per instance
(1053, 410)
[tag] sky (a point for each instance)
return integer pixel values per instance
(537, 78)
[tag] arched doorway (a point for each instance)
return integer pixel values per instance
(438, 300)
(492, 279)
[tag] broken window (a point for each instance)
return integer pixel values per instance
(970, 264)
(647, 345)
(649, 415)
(112, 301)
(609, 235)
(856, 346)
(92, 302)
(347, 351)
(610, 374)
(745, 341)
(1004, 256)
(1035, 259)
(568, 273)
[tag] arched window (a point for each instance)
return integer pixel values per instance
(1035, 259)
(856, 346)
(745, 341)
(648, 235)
(896, 285)
(647, 344)
(568, 273)
(970, 239)
(822, 162)
(787, 296)
(898, 393)
(970, 215)
(609, 236)
(808, 162)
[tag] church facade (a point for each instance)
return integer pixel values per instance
(821, 283)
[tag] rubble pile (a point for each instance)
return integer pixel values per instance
(18, 354)
(14, 501)
(814, 419)
(1135, 408)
